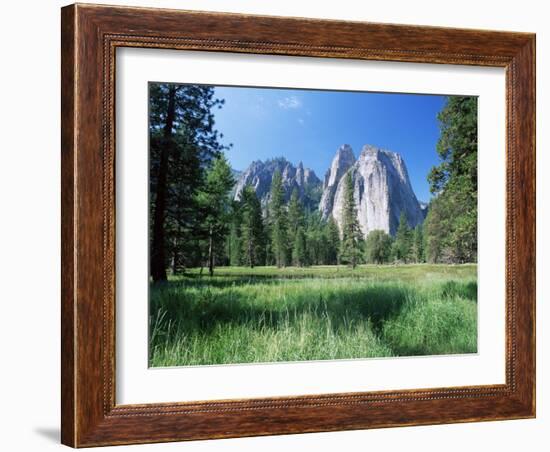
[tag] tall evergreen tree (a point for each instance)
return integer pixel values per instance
(165, 145)
(417, 251)
(252, 230)
(234, 243)
(299, 254)
(296, 216)
(435, 231)
(296, 222)
(402, 243)
(278, 221)
(378, 247)
(315, 238)
(269, 258)
(215, 203)
(182, 143)
(451, 223)
(333, 242)
(350, 252)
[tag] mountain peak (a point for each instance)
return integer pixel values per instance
(388, 158)
(259, 176)
(342, 161)
(382, 190)
(344, 153)
(344, 149)
(370, 150)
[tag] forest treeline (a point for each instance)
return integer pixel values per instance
(195, 222)
(291, 235)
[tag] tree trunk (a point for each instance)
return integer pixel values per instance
(211, 252)
(158, 254)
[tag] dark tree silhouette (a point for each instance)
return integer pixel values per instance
(182, 144)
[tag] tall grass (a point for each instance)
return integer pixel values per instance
(268, 315)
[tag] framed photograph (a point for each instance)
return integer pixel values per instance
(281, 225)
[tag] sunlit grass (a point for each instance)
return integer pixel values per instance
(266, 314)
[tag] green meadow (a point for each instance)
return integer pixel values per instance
(265, 314)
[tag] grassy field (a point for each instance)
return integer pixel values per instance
(266, 314)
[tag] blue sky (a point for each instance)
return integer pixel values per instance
(309, 126)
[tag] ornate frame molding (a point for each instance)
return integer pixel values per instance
(90, 37)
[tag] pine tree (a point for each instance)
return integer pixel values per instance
(417, 251)
(350, 252)
(234, 245)
(252, 230)
(437, 231)
(315, 239)
(378, 247)
(215, 201)
(451, 223)
(269, 259)
(296, 218)
(402, 244)
(333, 242)
(182, 144)
(299, 255)
(278, 221)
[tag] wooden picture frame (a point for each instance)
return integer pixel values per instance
(90, 36)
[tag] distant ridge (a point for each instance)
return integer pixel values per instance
(382, 189)
(259, 175)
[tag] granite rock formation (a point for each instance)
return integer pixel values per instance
(382, 190)
(341, 163)
(260, 174)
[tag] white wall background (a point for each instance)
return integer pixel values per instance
(30, 228)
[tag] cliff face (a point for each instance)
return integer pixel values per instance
(260, 174)
(342, 161)
(382, 190)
